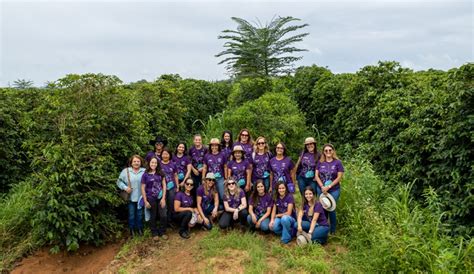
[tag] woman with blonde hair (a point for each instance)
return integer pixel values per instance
(329, 172)
(260, 162)
(235, 205)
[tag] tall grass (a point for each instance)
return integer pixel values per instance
(16, 234)
(386, 230)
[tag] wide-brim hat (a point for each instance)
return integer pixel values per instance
(309, 140)
(214, 141)
(327, 201)
(158, 139)
(237, 148)
(303, 238)
(211, 176)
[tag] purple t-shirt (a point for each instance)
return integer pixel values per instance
(181, 165)
(307, 165)
(186, 200)
(248, 148)
(239, 171)
(263, 203)
(236, 200)
(328, 172)
(261, 166)
(281, 170)
(318, 208)
(169, 170)
(282, 204)
(153, 186)
(206, 200)
(197, 155)
(150, 155)
(227, 152)
(215, 163)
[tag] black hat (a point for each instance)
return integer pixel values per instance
(158, 139)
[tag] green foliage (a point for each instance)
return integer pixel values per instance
(387, 230)
(248, 89)
(261, 50)
(273, 115)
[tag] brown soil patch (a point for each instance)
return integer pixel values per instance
(88, 259)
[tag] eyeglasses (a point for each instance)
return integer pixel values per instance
(327, 150)
(231, 183)
(188, 184)
(260, 143)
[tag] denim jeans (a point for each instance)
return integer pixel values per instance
(304, 182)
(135, 216)
(320, 233)
(220, 188)
(284, 226)
(332, 214)
(264, 225)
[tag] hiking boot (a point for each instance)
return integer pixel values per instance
(140, 232)
(132, 233)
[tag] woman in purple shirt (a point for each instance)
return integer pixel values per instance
(245, 141)
(283, 214)
(306, 165)
(281, 168)
(207, 201)
(183, 206)
(260, 207)
(197, 152)
(154, 197)
(215, 161)
(183, 164)
(329, 172)
(261, 162)
(235, 205)
(227, 143)
(311, 218)
(239, 168)
(159, 143)
(170, 173)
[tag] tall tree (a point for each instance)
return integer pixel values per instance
(22, 84)
(261, 50)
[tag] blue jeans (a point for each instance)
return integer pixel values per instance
(320, 233)
(135, 216)
(220, 188)
(284, 226)
(304, 182)
(332, 215)
(264, 225)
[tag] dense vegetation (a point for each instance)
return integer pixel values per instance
(63, 147)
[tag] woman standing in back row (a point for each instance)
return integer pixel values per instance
(306, 165)
(245, 141)
(329, 172)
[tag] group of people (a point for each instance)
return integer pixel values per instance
(234, 183)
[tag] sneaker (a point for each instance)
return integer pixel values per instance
(164, 237)
(184, 235)
(156, 238)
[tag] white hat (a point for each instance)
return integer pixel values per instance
(309, 140)
(327, 201)
(211, 176)
(237, 148)
(193, 219)
(303, 238)
(214, 141)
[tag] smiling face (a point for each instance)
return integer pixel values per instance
(231, 185)
(261, 144)
(308, 195)
(226, 137)
(310, 147)
(165, 156)
(244, 136)
(210, 182)
(136, 162)
(188, 185)
(238, 155)
(261, 189)
(214, 148)
(158, 146)
(279, 150)
(282, 190)
(328, 151)
(197, 141)
(180, 148)
(153, 164)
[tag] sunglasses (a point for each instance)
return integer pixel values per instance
(244, 135)
(327, 150)
(260, 143)
(188, 184)
(230, 184)
(211, 180)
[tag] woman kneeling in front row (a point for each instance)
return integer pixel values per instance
(260, 207)
(311, 217)
(183, 202)
(235, 205)
(283, 213)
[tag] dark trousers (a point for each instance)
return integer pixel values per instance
(161, 213)
(170, 203)
(183, 218)
(227, 219)
(197, 180)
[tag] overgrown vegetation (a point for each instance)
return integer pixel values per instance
(63, 147)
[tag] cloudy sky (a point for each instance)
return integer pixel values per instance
(45, 40)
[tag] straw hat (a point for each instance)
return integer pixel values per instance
(309, 140)
(303, 238)
(238, 148)
(327, 201)
(211, 176)
(214, 141)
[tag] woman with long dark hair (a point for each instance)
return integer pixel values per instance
(311, 217)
